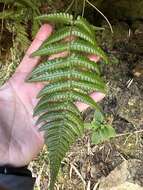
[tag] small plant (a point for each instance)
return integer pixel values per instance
(101, 130)
(69, 79)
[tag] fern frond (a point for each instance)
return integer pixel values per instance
(31, 4)
(58, 141)
(6, 14)
(59, 137)
(66, 32)
(77, 45)
(67, 75)
(11, 14)
(67, 95)
(64, 85)
(84, 25)
(85, 47)
(56, 106)
(76, 61)
(68, 80)
(56, 116)
(64, 18)
(22, 36)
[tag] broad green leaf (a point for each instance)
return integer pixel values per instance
(96, 139)
(98, 118)
(110, 131)
(91, 126)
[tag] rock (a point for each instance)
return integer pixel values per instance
(126, 186)
(131, 106)
(127, 176)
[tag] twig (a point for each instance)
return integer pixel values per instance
(122, 156)
(70, 173)
(101, 14)
(69, 7)
(39, 177)
(126, 140)
(88, 185)
(83, 8)
(130, 81)
(129, 133)
(108, 153)
(96, 186)
(78, 174)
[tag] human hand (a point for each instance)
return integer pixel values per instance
(20, 139)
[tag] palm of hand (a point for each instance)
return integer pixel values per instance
(20, 140)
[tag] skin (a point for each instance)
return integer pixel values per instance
(20, 139)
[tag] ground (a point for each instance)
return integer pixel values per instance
(86, 164)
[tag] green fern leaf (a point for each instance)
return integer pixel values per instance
(67, 95)
(64, 85)
(56, 116)
(68, 119)
(61, 63)
(52, 49)
(6, 14)
(68, 80)
(86, 47)
(77, 45)
(64, 18)
(30, 4)
(67, 75)
(87, 86)
(58, 142)
(66, 32)
(56, 106)
(84, 25)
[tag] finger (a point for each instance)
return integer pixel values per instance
(94, 58)
(96, 96)
(58, 55)
(28, 63)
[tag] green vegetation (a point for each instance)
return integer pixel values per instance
(69, 79)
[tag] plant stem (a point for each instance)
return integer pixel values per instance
(69, 7)
(101, 14)
(83, 8)
(129, 133)
(76, 5)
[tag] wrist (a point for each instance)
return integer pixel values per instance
(13, 163)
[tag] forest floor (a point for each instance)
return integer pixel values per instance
(86, 164)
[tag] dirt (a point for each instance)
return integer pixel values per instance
(124, 176)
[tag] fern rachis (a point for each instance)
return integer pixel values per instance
(69, 79)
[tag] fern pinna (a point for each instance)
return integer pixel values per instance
(69, 79)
